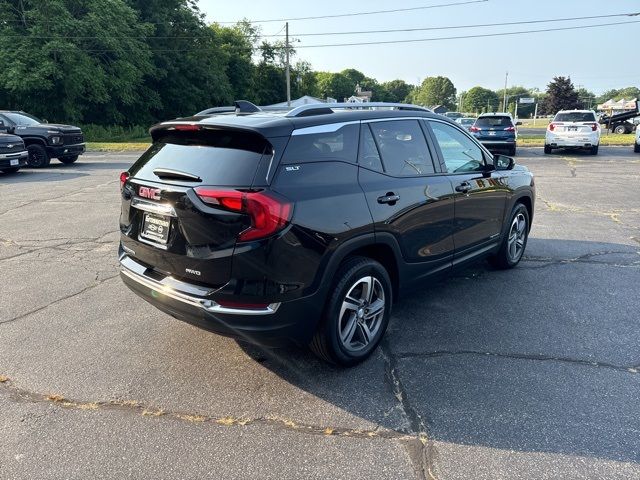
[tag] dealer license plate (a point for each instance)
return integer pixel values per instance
(155, 228)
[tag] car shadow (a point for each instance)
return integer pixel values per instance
(58, 172)
(535, 359)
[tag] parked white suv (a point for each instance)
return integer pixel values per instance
(636, 145)
(573, 128)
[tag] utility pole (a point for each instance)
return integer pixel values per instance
(288, 68)
(504, 100)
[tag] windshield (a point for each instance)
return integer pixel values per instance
(575, 117)
(22, 119)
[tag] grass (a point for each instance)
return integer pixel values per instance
(606, 140)
(117, 146)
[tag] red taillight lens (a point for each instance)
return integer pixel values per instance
(268, 213)
(552, 127)
(474, 129)
(124, 176)
(510, 129)
(594, 127)
(187, 128)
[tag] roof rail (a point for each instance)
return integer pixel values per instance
(325, 108)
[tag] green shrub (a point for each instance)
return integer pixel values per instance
(115, 133)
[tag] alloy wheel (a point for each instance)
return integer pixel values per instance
(517, 237)
(361, 314)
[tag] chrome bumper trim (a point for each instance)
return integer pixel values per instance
(199, 302)
(13, 155)
(153, 207)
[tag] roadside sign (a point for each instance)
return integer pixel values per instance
(527, 100)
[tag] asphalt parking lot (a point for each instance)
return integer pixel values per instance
(528, 373)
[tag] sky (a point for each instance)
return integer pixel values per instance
(598, 59)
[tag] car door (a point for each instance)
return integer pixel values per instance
(480, 193)
(407, 196)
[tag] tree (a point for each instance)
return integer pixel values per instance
(586, 99)
(436, 91)
(335, 85)
(479, 99)
(80, 66)
(237, 45)
(561, 95)
(396, 91)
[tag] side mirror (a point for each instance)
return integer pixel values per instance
(518, 123)
(3, 127)
(502, 162)
(44, 120)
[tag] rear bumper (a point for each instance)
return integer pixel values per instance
(279, 324)
(66, 150)
(497, 144)
(13, 160)
(589, 140)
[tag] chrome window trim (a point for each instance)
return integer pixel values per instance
(324, 128)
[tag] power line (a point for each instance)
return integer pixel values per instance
(460, 37)
(451, 27)
(396, 10)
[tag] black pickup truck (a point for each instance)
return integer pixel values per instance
(44, 141)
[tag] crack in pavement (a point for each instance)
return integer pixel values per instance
(61, 299)
(19, 394)
(421, 450)
(550, 261)
(633, 369)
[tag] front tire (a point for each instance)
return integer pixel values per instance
(357, 313)
(38, 156)
(620, 129)
(68, 160)
(515, 241)
(10, 170)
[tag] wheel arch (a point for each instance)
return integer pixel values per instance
(34, 141)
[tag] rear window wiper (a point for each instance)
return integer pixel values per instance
(176, 175)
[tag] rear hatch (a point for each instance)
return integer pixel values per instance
(184, 201)
(499, 127)
(574, 123)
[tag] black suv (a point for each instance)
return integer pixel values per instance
(44, 141)
(306, 226)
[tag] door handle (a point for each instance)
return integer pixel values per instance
(464, 187)
(390, 198)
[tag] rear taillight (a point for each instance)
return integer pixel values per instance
(510, 129)
(269, 214)
(124, 176)
(474, 129)
(186, 128)
(552, 127)
(594, 126)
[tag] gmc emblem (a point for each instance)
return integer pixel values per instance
(148, 192)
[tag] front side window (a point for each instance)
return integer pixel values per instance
(460, 153)
(403, 148)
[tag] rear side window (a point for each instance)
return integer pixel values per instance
(494, 122)
(332, 142)
(575, 117)
(218, 157)
(403, 148)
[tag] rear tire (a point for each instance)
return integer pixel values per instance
(620, 129)
(594, 150)
(11, 169)
(515, 241)
(356, 314)
(68, 160)
(512, 151)
(547, 149)
(636, 148)
(38, 156)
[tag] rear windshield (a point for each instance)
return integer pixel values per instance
(575, 117)
(223, 158)
(498, 121)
